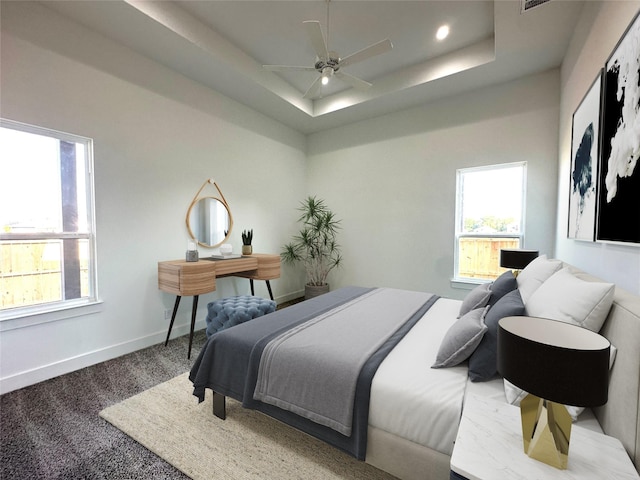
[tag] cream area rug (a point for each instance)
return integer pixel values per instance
(168, 420)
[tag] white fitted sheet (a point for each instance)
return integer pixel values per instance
(412, 400)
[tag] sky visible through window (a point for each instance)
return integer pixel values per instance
(492, 193)
(30, 183)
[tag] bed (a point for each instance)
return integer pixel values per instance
(422, 356)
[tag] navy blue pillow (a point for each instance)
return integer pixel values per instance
(483, 361)
(504, 284)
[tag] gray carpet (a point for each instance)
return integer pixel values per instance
(52, 430)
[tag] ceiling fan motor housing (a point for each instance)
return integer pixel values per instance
(332, 62)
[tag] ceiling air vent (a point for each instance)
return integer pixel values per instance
(529, 4)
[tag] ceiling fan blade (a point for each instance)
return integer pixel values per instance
(285, 68)
(353, 81)
(317, 38)
(314, 88)
(370, 51)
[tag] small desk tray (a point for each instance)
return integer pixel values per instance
(223, 257)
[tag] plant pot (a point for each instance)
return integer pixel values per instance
(247, 249)
(311, 291)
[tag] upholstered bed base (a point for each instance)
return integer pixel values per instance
(620, 416)
(405, 459)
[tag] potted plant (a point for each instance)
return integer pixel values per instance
(247, 236)
(315, 245)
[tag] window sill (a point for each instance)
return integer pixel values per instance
(28, 318)
(467, 283)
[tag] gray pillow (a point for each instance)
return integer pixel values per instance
(483, 361)
(476, 298)
(461, 339)
(504, 284)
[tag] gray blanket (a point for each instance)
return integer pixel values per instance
(229, 363)
(312, 371)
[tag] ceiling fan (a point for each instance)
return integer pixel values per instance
(328, 63)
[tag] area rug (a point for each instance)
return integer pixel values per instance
(168, 420)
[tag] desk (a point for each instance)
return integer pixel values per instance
(196, 278)
(489, 447)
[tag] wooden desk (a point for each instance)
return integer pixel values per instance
(195, 278)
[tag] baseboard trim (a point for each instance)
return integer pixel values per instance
(68, 365)
(290, 296)
(52, 370)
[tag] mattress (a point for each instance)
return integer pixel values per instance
(412, 400)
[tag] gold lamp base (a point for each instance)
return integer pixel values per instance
(546, 430)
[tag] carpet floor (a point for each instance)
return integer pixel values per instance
(168, 420)
(52, 430)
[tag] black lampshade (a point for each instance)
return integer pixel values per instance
(557, 361)
(516, 259)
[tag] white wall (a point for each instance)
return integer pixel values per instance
(392, 179)
(599, 30)
(157, 137)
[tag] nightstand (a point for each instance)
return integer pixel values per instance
(489, 447)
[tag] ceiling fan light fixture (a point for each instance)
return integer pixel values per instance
(327, 73)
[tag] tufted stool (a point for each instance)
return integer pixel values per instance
(227, 312)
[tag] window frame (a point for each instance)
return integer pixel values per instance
(57, 307)
(468, 282)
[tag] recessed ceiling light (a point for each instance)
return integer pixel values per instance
(443, 32)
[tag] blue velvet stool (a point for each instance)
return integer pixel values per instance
(231, 311)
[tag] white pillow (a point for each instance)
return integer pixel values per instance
(516, 394)
(535, 274)
(569, 299)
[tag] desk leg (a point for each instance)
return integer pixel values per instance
(173, 317)
(268, 288)
(193, 322)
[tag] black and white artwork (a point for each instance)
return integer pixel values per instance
(619, 183)
(585, 132)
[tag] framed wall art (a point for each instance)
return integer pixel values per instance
(585, 150)
(619, 182)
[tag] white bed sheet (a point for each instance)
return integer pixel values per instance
(412, 400)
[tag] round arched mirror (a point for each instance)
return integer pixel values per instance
(208, 221)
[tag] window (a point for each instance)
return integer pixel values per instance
(489, 216)
(47, 236)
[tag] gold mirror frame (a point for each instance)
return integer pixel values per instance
(196, 201)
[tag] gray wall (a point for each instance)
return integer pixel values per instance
(157, 136)
(599, 30)
(392, 179)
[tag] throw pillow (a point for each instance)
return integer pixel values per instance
(461, 339)
(476, 298)
(567, 298)
(504, 284)
(483, 361)
(535, 274)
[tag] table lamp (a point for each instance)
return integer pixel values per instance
(558, 364)
(516, 259)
